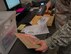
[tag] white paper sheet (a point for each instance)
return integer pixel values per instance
(36, 29)
(43, 20)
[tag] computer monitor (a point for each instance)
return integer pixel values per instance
(12, 4)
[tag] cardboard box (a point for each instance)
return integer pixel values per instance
(8, 29)
(35, 20)
(28, 40)
(50, 20)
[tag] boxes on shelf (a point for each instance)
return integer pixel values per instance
(7, 31)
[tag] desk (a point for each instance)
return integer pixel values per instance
(20, 48)
(26, 19)
(20, 16)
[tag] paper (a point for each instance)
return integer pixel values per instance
(28, 40)
(43, 20)
(34, 8)
(36, 29)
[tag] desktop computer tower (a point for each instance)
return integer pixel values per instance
(7, 31)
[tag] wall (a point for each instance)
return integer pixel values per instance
(2, 5)
(25, 1)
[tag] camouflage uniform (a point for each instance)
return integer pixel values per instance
(62, 38)
(62, 12)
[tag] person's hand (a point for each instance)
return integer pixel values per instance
(43, 47)
(48, 5)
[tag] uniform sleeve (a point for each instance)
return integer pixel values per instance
(53, 2)
(60, 38)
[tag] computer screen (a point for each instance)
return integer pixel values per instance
(12, 3)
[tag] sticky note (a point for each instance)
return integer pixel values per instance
(21, 26)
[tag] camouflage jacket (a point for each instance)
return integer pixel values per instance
(62, 38)
(62, 11)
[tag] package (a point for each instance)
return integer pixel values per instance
(50, 20)
(7, 31)
(28, 40)
(35, 20)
